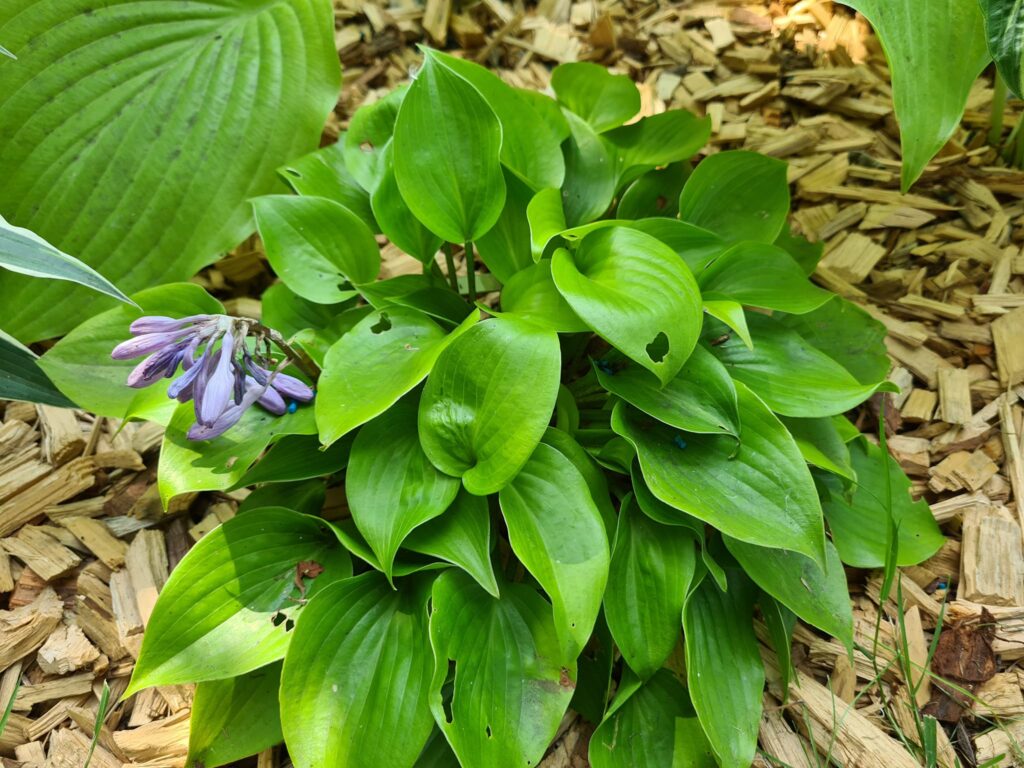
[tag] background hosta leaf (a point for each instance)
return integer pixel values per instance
(652, 724)
(218, 464)
(546, 218)
(214, 616)
(658, 140)
(556, 531)
(859, 519)
(357, 675)
(737, 195)
(24, 252)
(390, 484)
(602, 99)
(531, 294)
(136, 149)
(935, 50)
(369, 132)
(697, 247)
(589, 173)
(780, 622)
(80, 363)
(324, 174)
(596, 481)
(396, 220)
(235, 717)
(462, 536)
(655, 193)
(384, 356)
(651, 569)
(819, 597)
(701, 397)
(1004, 28)
(506, 248)
(822, 444)
(793, 377)
(448, 170)
(284, 310)
(761, 275)
(763, 494)
(723, 667)
(315, 245)
(297, 457)
(510, 682)
(21, 378)
(733, 316)
(635, 293)
(488, 401)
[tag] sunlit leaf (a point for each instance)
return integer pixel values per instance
(602, 99)
(324, 174)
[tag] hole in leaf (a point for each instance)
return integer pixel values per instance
(293, 173)
(366, 146)
(446, 701)
(384, 324)
(661, 202)
(278, 619)
(488, 731)
(658, 348)
(289, 625)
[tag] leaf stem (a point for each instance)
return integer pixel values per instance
(449, 260)
(995, 131)
(302, 361)
(470, 272)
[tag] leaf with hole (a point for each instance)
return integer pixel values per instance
(369, 133)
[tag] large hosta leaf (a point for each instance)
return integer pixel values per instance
(634, 292)
(762, 494)
(229, 605)
(555, 529)
(935, 49)
(135, 132)
(357, 675)
(652, 566)
(488, 401)
(391, 485)
(1004, 27)
(510, 682)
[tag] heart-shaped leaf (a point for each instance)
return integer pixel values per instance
(737, 195)
(447, 144)
(382, 358)
(634, 292)
(510, 682)
(488, 401)
(357, 675)
(143, 129)
(556, 531)
(229, 606)
(651, 569)
(589, 173)
(602, 99)
(235, 717)
(315, 245)
(324, 174)
(390, 484)
(369, 133)
(762, 494)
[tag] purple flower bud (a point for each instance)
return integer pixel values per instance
(143, 345)
(228, 418)
(160, 324)
(272, 401)
(184, 383)
(214, 385)
(291, 387)
(155, 367)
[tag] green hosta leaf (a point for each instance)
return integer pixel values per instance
(530, 146)
(723, 667)
(391, 485)
(80, 363)
(658, 140)
(804, 252)
(602, 99)
(531, 294)
(357, 675)
(437, 753)
(234, 717)
(406, 563)
(218, 464)
(306, 496)
(369, 133)
(701, 398)
(546, 218)
(859, 522)
(506, 248)
(819, 597)
(763, 494)
(550, 111)
(848, 335)
(297, 457)
(556, 531)
(315, 245)
(936, 50)
(25, 252)
(383, 357)
(791, 376)
(761, 275)
(488, 401)
(426, 293)
(654, 194)
(732, 314)
(461, 536)
(511, 683)
(651, 569)
(396, 221)
(636, 294)
(21, 378)
(215, 616)
(821, 444)
(143, 128)
(323, 174)
(696, 246)
(284, 310)
(737, 195)
(589, 174)
(447, 143)
(1004, 28)
(596, 481)
(652, 724)
(780, 622)
(317, 342)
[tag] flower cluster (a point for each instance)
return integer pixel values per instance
(221, 375)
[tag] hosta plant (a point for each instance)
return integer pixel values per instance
(578, 472)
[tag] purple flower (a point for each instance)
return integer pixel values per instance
(218, 383)
(157, 324)
(288, 386)
(145, 344)
(228, 417)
